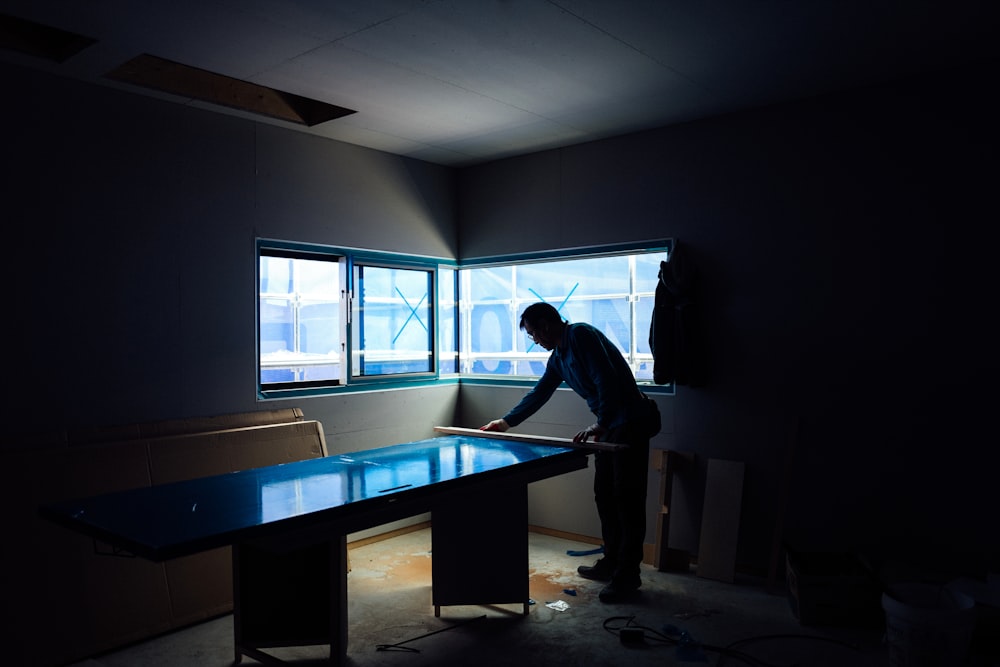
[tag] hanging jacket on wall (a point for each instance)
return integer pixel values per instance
(676, 338)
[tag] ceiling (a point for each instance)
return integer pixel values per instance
(460, 82)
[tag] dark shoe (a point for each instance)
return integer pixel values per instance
(600, 571)
(620, 590)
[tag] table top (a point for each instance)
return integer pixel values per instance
(181, 518)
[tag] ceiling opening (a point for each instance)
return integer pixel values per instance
(175, 78)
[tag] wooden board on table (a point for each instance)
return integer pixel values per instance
(531, 439)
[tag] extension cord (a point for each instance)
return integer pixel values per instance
(632, 635)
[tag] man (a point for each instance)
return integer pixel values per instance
(594, 368)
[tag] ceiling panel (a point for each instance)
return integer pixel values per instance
(459, 82)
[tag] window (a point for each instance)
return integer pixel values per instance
(299, 318)
(614, 292)
(447, 320)
(340, 319)
(329, 317)
(391, 321)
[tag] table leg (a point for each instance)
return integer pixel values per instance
(480, 547)
(290, 597)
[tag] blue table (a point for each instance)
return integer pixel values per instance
(288, 526)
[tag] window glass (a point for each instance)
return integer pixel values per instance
(447, 321)
(299, 334)
(393, 330)
(486, 319)
(554, 281)
(491, 284)
(613, 293)
(647, 271)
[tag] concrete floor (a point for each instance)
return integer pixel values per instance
(389, 603)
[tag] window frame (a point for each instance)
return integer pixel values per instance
(353, 351)
(289, 251)
(348, 258)
(664, 245)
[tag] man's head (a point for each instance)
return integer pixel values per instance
(542, 323)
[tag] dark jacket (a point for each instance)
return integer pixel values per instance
(676, 338)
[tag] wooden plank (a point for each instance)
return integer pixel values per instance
(668, 463)
(720, 520)
(531, 439)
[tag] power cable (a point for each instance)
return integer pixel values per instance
(398, 646)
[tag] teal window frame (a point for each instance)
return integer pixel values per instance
(516, 304)
(350, 377)
(446, 328)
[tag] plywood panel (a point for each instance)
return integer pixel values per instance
(720, 521)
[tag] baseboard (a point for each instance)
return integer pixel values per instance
(647, 549)
(388, 535)
(575, 537)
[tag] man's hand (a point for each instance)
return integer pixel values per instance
(495, 425)
(595, 430)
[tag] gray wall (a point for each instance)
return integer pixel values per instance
(130, 227)
(847, 247)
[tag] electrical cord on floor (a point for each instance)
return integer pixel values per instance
(631, 625)
(398, 646)
(628, 633)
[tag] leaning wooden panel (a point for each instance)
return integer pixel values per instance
(720, 520)
(531, 439)
(668, 463)
(186, 426)
(67, 599)
(201, 584)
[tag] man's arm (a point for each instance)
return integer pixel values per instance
(531, 403)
